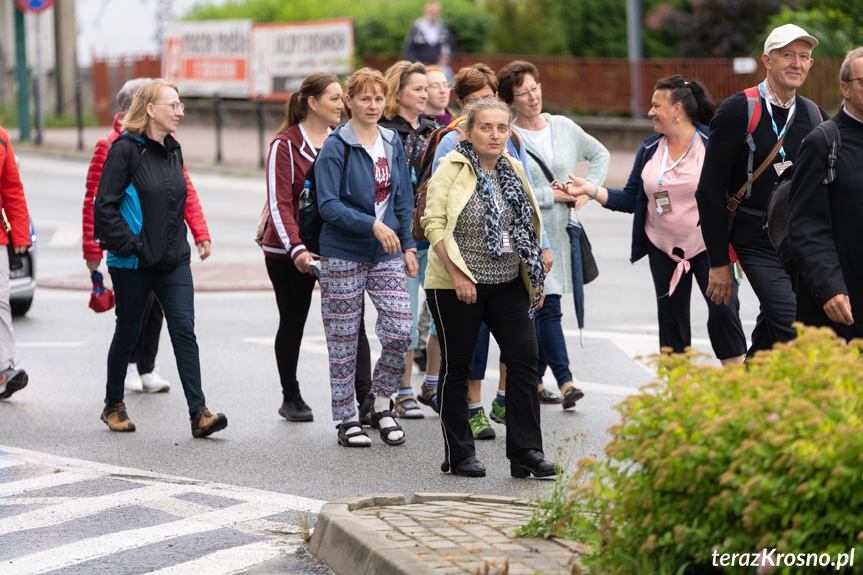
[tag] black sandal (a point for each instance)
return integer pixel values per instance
(344, 439)
(375, 419)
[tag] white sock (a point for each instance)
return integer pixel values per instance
(383, 404)
(350, 433)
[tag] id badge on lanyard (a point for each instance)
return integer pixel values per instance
(784, 164)
(661, 197)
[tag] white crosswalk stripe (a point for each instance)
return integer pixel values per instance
(186, 503)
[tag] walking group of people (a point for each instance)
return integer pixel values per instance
(496, 256)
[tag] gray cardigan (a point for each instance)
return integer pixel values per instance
(571, 145)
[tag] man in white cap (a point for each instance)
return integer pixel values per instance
(743, 160)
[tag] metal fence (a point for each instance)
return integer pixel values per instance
(598, 86)
(110, 74)
(592, 86)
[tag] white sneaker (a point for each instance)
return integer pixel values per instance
(133, 380)
(154, 383)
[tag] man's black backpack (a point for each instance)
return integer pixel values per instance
(309, 218)
(776, 212)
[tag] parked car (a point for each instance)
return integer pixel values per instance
(22, 282)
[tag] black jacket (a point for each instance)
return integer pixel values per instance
(140, 204)
(824, 227)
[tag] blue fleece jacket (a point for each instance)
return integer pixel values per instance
(632, 198)
(347, 204)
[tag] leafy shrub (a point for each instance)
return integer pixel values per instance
(733, 460)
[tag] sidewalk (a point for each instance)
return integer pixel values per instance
(436, 534)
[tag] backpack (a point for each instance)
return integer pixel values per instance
(425, 171)
(309, 220)
(753, 101)
(776, 212)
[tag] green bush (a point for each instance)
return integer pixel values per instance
(732, 460)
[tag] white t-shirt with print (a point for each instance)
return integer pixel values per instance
(383, 183)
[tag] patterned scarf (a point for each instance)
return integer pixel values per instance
(522, 235)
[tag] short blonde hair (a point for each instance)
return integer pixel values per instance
(136, 118)
(398, 75)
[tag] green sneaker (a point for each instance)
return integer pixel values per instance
(498, 413)
(481, 427)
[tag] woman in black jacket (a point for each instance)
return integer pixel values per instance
(138, 217)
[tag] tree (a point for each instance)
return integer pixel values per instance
(837, 24)
(527, 27)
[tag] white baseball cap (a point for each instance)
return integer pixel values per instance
(784, 35)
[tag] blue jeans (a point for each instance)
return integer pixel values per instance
(552, 345)
(176, 294)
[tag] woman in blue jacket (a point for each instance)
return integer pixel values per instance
(661, 194)
(366, 201)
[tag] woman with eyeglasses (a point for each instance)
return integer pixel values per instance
(554, 145)
(138, 217)
(439, 91)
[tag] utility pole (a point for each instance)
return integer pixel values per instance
(23, 76)
(65, 54)
(635, 54)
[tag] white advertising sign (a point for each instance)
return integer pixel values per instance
(284, 54)
(208, 58)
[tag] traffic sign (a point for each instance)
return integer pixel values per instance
(35, 6)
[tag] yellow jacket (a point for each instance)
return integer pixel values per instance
(449, 190)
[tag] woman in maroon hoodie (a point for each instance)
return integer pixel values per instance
(141, 374)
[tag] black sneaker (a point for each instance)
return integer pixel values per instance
(295, 409)
(12, 380)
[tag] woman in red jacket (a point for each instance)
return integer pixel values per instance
(141, 374)
(310, 116)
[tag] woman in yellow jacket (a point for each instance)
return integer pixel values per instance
(485, 265)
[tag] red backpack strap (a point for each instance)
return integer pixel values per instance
(753, 102)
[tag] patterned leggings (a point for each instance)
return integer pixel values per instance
(342, 285)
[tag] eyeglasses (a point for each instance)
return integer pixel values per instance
(790, 56)
(176, 106)
(471, 101)
(859, 80)
(440, 86)
(535, 91)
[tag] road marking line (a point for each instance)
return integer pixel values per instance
(7, 463)
(37, 500)
(41, 482)
(43, 344)
(233, 560)
(95, 547)
(64, 236)
(84, 506)
(90, 469)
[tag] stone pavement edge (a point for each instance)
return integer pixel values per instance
(436, 534)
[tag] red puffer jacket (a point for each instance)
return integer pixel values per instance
(194, 214)
(12, 195)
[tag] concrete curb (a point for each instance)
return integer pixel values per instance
(353, 545)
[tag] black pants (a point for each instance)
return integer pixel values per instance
(723, 321)
(503, 308)
(132, 289)
(293, 297)
(148, 342)
(771, 284)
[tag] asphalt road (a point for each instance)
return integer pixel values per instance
(63, 345)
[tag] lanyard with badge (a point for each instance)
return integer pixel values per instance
(663, 201)
(784, 164)
(506, 246)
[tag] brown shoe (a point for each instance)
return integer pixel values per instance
(116, 418)
(204, 423)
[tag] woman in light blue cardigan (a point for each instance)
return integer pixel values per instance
(557, 144)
